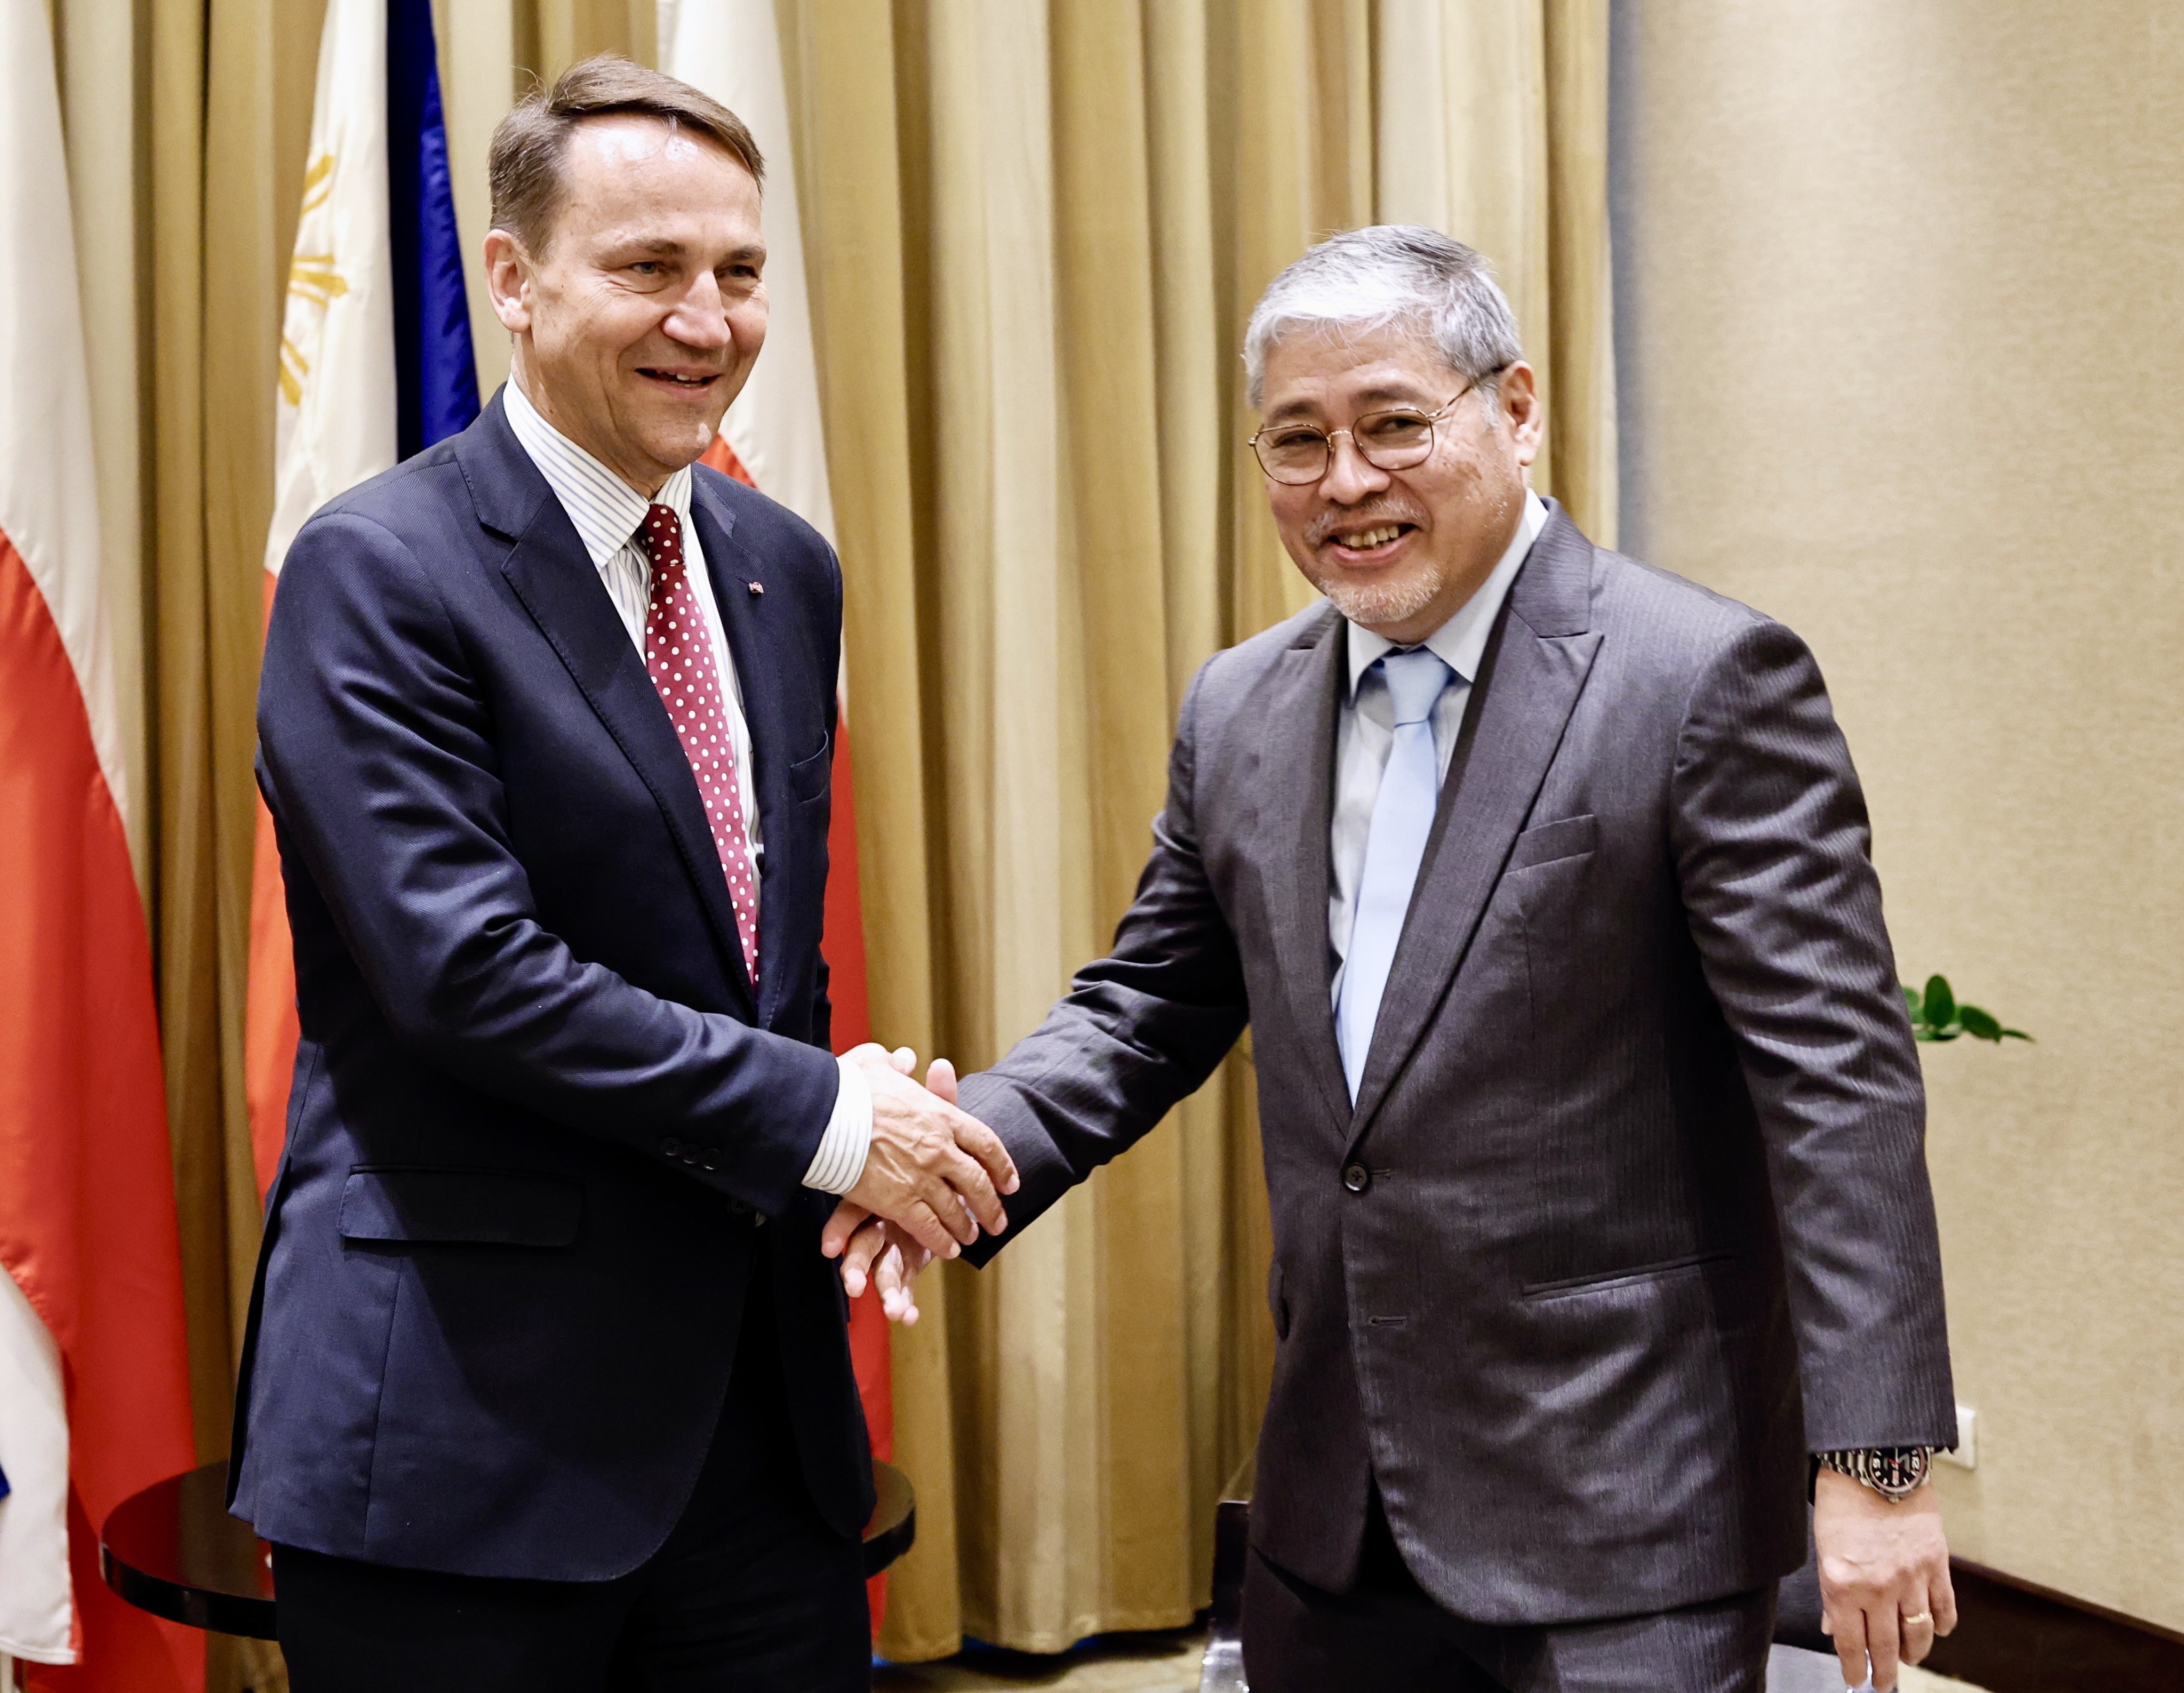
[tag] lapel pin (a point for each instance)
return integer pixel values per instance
(757, 589)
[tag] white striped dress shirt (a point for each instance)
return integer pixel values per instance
(607, 513)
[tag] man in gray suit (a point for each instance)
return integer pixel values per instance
(1593, 1122)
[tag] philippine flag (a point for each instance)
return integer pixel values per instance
(375, 364)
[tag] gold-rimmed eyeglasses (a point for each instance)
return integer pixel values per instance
(1394, 439)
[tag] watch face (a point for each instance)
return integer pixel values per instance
(1897, 1471)
(1893, 1472)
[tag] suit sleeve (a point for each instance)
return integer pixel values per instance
(1773, 852)
(1139, 1030)
(376, 757)
(822, 1007)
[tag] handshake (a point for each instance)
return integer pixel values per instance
(932, 1177)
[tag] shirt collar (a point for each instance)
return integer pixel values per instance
(605, 510)
(1461, 642)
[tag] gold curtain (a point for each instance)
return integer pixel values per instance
(1038, 233)
(230, 110)
(1493, 125)
(1035, 233)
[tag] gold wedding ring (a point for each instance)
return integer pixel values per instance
(1913, 1622)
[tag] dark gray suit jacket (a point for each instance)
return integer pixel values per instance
(1645, 1215)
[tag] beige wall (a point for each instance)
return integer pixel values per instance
(1901, 318)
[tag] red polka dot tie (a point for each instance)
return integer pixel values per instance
(679, 656)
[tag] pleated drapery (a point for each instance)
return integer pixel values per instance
(1034, 231)
(1063, 216)
(1492, 124)
(1061, 293)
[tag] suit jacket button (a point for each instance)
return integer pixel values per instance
(738, 1208)
(670, 1149)
(711, 1158)
(1356, 1177)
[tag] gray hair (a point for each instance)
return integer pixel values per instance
(1367, 279)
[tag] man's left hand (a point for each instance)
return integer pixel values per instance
(881, 1256)
(1885, 1589)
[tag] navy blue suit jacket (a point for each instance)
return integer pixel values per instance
(537, 1113)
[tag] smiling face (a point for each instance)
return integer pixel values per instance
(1399, 551)
(642, 317)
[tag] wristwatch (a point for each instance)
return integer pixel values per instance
(1895, 1472)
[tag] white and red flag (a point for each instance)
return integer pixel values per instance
(773, 439)
(94, 1373)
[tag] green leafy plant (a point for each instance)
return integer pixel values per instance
(1935, 1015)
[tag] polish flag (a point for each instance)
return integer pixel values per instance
(773, 439)
(375, 364)
(94, 1372)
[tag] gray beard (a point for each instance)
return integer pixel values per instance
(1373, 604)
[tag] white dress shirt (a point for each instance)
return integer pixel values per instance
(1367, 729)
(607, 513)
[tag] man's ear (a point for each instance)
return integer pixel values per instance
(508, 280)
(1523, 411)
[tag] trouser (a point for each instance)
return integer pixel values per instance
(1388, 1635)
(751, 1593)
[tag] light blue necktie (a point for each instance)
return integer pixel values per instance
(1395, 846)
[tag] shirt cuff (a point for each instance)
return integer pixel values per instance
(839, 1163)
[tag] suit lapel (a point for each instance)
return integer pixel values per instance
(1534, 669)
(1297, 754)
(554, 578)
(732, 569)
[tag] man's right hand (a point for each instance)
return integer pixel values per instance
(930, 1170)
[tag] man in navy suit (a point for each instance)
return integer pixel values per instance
(547, 1384)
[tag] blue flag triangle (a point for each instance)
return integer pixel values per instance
(436, 376)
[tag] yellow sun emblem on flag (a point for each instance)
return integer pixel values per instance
(311, 276)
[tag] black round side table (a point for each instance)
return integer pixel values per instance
(173, 1551)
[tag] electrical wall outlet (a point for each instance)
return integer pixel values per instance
(1966, 1455)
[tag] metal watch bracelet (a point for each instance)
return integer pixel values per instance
(1895, 1472)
